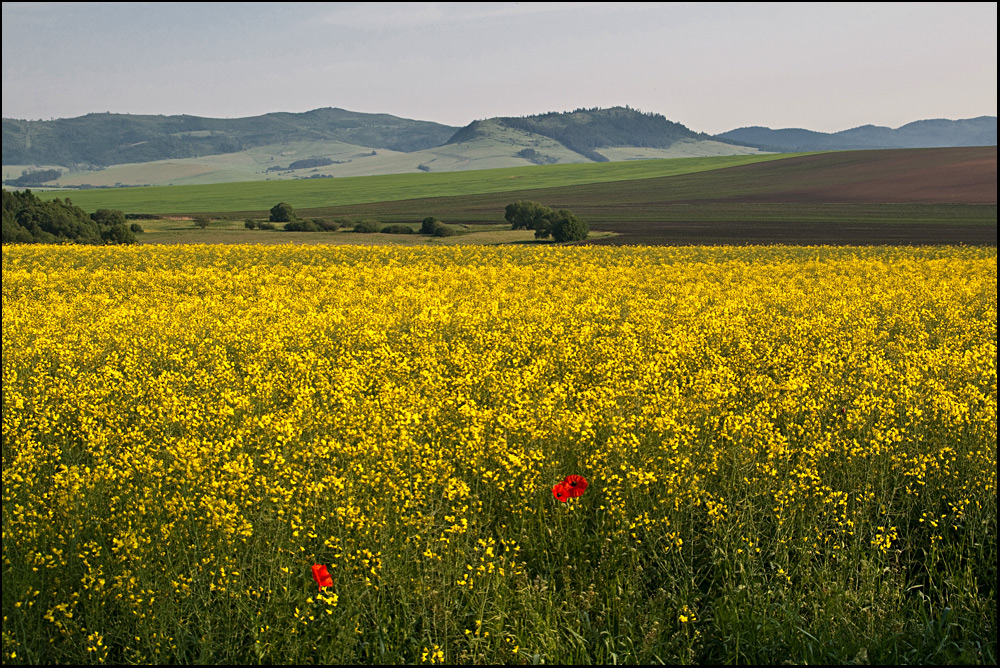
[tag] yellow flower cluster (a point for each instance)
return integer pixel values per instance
(189, 428)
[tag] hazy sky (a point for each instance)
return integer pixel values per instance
(712, 67)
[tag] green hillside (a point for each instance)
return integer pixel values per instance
(506, 148)
(112, 139)
(110, 150)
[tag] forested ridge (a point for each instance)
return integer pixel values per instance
(110, 139)
(585, 130)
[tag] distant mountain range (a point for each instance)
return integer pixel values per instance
(111, 139)
(122, 149)
(937, 133)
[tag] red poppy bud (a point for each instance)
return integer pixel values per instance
(322, 576)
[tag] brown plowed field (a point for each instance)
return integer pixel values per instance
(937, 175)
(897, 197)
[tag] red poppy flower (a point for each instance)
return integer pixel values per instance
(561, 491)
(322, 576)
(577, 485)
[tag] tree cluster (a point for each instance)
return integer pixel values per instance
(562, 225)
(27, 219)
(35, 178)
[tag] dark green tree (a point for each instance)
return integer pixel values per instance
(108, 217)
(567, 227)
(282, 213)
(525, 214)
(429, 225)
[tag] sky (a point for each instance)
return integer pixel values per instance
(711, 66)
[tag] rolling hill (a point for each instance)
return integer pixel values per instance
(111, 150)
(108, 150)
(981, 131)
(585, 130)
(100, 140)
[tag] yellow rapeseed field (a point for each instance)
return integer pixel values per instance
(791, 454)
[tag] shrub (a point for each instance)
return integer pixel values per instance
(300, 225)
(136, 228)
(397, 229)
(250, 224)
(429, 224)
(266, 226)
(368, 226)
(201, 220)
(444, 231)
(326, 225)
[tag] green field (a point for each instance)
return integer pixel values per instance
(258, 196)
(929, 196)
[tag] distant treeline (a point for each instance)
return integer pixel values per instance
(27, 219)
(533, 156)
(307, 163)
(36, 178)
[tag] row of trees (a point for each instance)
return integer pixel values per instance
(28, 219)
(562, 225)
(282, 212)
